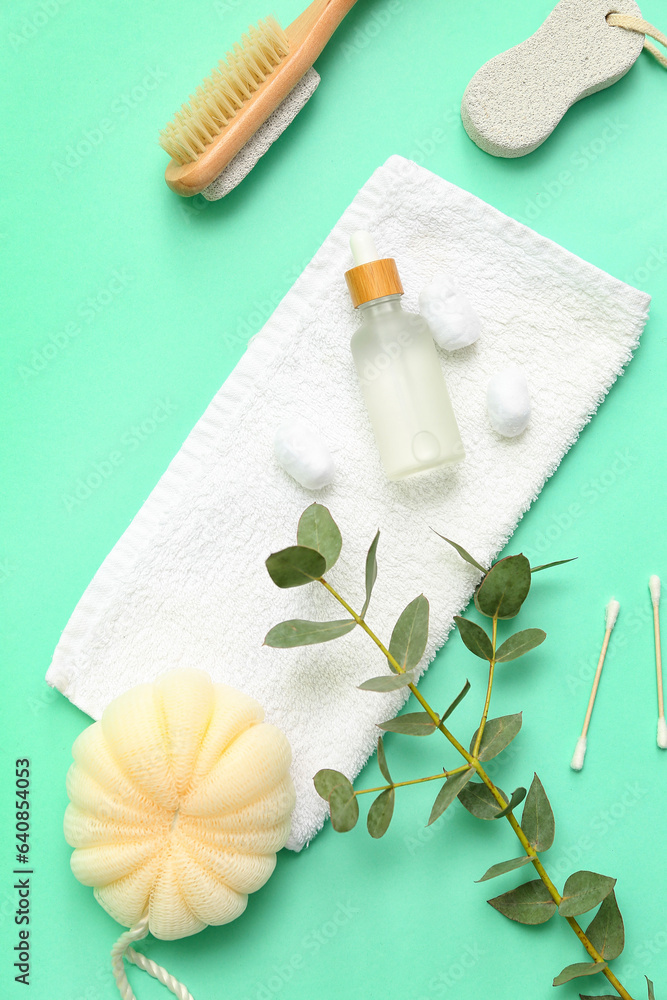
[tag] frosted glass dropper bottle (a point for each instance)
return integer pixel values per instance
(399, 370)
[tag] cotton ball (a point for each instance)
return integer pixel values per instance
(303, 454)
(452, 319)
(508, 401)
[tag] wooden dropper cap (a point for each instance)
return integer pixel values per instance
(371, 278)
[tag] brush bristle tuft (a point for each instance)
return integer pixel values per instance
(611, 614)
(654, 587)
(220, 95)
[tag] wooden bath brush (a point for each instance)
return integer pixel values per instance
(232, 118)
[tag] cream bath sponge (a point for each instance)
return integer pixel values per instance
(180, 797)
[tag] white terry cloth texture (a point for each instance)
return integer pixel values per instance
(186, 584)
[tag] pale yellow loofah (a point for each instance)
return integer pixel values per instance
(180, 797)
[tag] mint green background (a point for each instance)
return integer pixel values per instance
(349, 917)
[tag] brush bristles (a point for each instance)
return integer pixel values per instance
(654, 587)
(221, 94)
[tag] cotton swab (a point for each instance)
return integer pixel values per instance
(654, 587)
(577, 761)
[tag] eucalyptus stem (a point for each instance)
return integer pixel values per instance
(415, 781)
(472, 761)
(401, 784)
(485, 713)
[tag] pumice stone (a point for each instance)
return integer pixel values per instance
(516, 100)
(449, 313)
(508, 401)
(180, 797)
(302, 452)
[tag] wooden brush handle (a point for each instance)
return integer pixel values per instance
(307, 36)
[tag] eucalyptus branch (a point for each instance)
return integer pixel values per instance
(500, 595)
(473, 761)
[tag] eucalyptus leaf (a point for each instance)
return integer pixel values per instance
(451, 788)
(344, 808)
(295, 566)
(371, 573)
(480, 801)
(505, 866)
(606, 932)
(537, 820)
(520, 643)
(577, 970)
(327, 779)
(498, 734)
(339, 793)
(475, 638)
(462, 552)
(318, 530)
(297, 632)
(583, 891)
(457, 701)
(651, 994)
(607, 996)
(529, 903)
(559, 562)
(410, 724)
(387, 682)
(380, 813)
(504, 588)
(382, 761)
(408, 640)
(516, 798)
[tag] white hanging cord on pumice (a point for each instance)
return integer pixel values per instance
(611, 615)
(654, 587)
(644, 28)
(122, 949)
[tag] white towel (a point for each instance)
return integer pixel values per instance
(186, 584)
